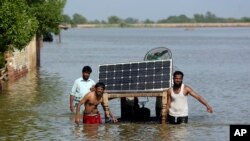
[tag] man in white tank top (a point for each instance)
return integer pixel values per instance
(177, 104)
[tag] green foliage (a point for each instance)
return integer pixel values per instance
(245, 19)
(66, 19)
(131, 20)
(48, 13)
(2, 61)
(148, 21)
(123, 24)
(176, 19)
(199, 18)
(210, 17)
(79, 19)
(94, 22)
(16, 25)
(114, 20)
(21, 20)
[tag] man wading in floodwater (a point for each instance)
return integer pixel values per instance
(91, 114)
(177, 104)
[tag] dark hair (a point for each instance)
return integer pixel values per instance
(178, 73)
(86, 69)
(100, 84)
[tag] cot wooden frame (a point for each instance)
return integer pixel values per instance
(163, 94)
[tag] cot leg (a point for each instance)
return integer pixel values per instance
(164, 107)
(106, 107)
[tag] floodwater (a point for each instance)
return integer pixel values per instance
(215, 62)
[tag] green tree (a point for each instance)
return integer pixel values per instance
(21, 20)
(199, 18)
(78, 19)
(162, 21)
(94, 22)
(17, 26)
(48, 13)
(49, 16)
(131, 20)
(170, 19)
(66, 19)
(148, 21)
(210, 17)
(245, 19)
(178, 19)
(114, 20)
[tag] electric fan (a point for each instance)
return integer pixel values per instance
(158, 53)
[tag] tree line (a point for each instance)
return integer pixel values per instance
(21, 20)
(197, 18)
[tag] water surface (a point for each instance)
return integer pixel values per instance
(215, 62)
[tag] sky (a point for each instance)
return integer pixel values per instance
(156, 9)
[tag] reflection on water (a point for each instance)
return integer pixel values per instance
(214, 61)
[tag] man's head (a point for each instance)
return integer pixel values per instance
(178, 77)
(99, 88)
(86, 71)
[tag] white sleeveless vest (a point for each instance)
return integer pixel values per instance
(179, 104)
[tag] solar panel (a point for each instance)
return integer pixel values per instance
(136, 76)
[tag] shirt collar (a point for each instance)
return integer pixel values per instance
(84, 80)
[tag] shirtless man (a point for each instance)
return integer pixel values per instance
(177, 104)
(91, 101)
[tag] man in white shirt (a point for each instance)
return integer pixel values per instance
(177, 104)
(81, 87)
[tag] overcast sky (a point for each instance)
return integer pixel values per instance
(156, 9)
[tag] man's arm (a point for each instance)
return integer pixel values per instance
(199, 98)
(168, 98)
(110, 114)
(77, 115)
(71, 103)
(72, 96)
(114, 119)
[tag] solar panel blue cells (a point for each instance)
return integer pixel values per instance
(135, 66)
(136, 76)
(102, 69)
(126, 67)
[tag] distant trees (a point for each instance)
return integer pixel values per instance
(131, 20)
(176, 19)
(200, 18)
(114, 20)
(245, 19)
(79, 19)
(66, 19)
(148, 21)
(208, 17)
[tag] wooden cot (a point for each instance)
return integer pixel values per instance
(163, 94)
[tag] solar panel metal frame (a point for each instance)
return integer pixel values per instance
(137, 76)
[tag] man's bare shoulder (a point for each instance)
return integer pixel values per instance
(88, 95)
(188, 88)
(91, 93)
(169, 90)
